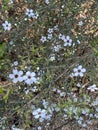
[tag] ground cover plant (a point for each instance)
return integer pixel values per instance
(48, 64)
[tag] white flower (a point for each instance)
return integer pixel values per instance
(25, 19)
(37, 113)
(63, 37)
(50, 110)
(35, 16)
(45, 104)
(67, 41)
(84, 125)
(43, 113)
(47, 1)
(49, 36)
(50, 30)
(48, 124)
(96, 116)
(57, 109)
(54, 107)
(55, 27)
(60, 36)
(57, 48)
(52, 57)
(80, 120)
(29, 12)
(95, 103)
(91, 115)
(80, 23)
(48, 117)
(78, 85)
(14, 128)
(6, 26)
(11, 42)
(27, 91)
(75, 99)
(65, 116)
(79, 71)
(39, 128)
(89, 122)
(43, 39)
(85, 111)
(97, 109)
(11, 1)
(78, 42)
(34, 89)
(92, 88)
(71, 75)
(40, 114)
(16, 76)
(29, 78)
(62, 94)
(58, 91)
(54, 90)
(15, 63)
(38, 68)
(65, 110)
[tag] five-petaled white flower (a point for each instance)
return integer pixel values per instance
(67, 41)
(29, 78)
(39, 114)
(57, 48)
(50, 30)
(16, 76)
(43, 39)
(92, 88)
(6, 26)
(49, 36)
(79, 71)
(29, 12)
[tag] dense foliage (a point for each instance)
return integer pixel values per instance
(48, 64)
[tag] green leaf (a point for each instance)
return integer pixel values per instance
(2, 49)
(6, 96)
(1, 90)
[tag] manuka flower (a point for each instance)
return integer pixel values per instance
(29, 78)
(67, 41)
(92, 88)
(6, 26)
(16, 76)
(79, 71)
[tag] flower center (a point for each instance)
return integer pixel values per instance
(29, 77)
(16, 76)
(67, 41)
(39, 113)
(79, 71)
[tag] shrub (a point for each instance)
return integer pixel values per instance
(49, 64)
